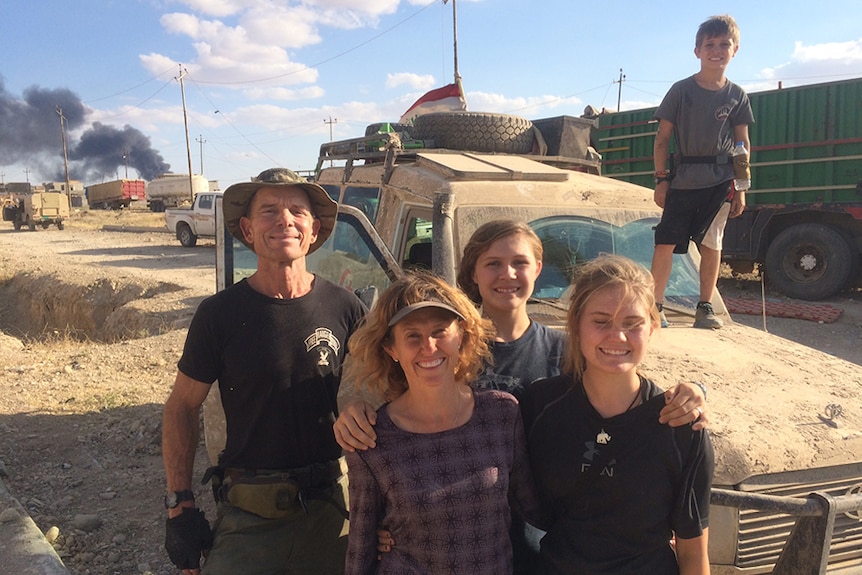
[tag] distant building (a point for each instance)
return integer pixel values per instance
(75, 187)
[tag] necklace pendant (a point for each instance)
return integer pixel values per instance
(603, 438)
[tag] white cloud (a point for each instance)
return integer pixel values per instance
(284, 94)
(529, 107)
(341, 13)
(218, 8)
(248, 44)
(414, 81)
(844, 51)
(157, 64)
(253, 52)
(813, 63)
(287, 27)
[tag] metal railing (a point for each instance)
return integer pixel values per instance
(806, 551)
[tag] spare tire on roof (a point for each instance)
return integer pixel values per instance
(475, 131)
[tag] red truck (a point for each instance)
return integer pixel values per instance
(115, 194)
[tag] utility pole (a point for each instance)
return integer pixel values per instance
(65, 155)
(330, 122)
(27, 174)
(126, 161)
(183, 74)
(620, 88)
(200, 140)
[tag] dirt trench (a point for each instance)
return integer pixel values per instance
(35, 306)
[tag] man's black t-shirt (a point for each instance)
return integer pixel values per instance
(278, 364)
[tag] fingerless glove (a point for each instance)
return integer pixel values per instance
(186, 536)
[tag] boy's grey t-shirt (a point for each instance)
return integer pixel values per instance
(703, 122)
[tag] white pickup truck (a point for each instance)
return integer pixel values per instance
(198, 220)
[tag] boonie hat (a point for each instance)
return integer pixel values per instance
(407, 310)
(237, 199)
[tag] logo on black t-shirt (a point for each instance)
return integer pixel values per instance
(325, 344)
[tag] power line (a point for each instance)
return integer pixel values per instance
(147, 81)
(253, 145)
(138, 105)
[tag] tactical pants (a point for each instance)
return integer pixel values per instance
(312, 542)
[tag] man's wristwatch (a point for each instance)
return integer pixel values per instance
(661, 179)
(174, 498)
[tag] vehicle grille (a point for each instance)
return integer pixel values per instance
(762, 535)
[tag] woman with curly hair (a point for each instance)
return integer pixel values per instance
(448, 458)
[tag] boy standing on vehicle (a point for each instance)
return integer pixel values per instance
(705, 114)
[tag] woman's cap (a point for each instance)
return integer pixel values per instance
(407, 310)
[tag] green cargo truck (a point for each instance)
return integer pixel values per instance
(803, 222)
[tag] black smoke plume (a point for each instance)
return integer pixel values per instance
(30, 134)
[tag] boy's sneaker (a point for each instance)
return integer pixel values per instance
(662, 318)
(705, 318)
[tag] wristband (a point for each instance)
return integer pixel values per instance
(702, 388)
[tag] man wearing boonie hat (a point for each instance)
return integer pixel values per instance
(275, 342)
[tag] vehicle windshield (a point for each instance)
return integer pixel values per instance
(349, 258)
(570, 240)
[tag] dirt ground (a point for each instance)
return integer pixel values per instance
(92, 323)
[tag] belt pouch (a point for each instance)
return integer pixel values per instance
(270, 498)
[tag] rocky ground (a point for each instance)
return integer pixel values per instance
(91, 326)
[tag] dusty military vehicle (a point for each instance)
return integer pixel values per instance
(403, 207)
(38, 209)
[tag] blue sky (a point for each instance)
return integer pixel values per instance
(266, 76)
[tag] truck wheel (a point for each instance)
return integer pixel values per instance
(60, 225)
(157, 206)
(475, 131)
(17, 225)
(185, 235)
(810, 262)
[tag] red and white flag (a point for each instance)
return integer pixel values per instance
(449, 98)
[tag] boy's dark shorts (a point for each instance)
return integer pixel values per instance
(687, 215)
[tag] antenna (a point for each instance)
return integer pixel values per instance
(455, 36)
